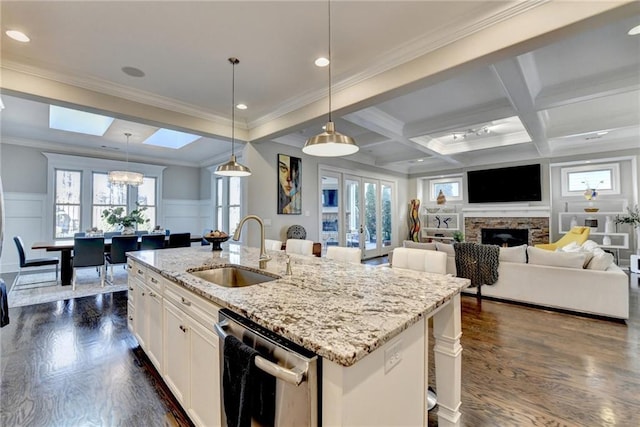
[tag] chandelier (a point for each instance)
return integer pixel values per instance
(126, 177)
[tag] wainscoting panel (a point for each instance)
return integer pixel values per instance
(182, 216)
(24, 217)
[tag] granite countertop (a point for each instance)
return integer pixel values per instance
(340, 311)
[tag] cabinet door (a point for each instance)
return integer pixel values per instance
(140, 319)
(154, 324)
(176, 352)
(204, 402)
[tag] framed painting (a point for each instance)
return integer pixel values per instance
(289, 185)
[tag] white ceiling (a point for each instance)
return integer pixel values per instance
(563, 88)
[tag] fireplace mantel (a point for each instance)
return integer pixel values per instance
(509, 211)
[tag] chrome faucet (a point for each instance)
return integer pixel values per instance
(263, 253)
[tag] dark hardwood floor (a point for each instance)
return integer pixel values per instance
(74, 363)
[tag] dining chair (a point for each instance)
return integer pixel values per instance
(120, 245)
(79, 234)
(179, 240)
(299, 247)
(88, 252)
(340, 253)
(420, 260)
(272, 245)
(33, 262)
(152, 241)
(141, 232)
(110, 234)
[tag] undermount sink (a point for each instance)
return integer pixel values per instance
(233, 276)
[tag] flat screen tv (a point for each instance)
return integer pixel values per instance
(512, 184)
(330, 198)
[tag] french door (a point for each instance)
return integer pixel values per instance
(357, 212)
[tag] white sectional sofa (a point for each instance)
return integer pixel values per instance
(551, 279)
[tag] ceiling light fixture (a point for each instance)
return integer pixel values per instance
(18, 36)
(241, 106)
(330, 143)
(484, 130)
(634, 31)
(126, 177)
(232, 167)
(321, 62)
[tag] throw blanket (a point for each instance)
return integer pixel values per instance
(477, 262)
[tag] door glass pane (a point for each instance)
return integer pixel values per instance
(330, 199)
(352, 212)
(385, 215)
(370, 207)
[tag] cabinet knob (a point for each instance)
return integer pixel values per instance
(151, 294)
(153, 280)
(130, 288)
(139, 271)
(142, 294)
(129, 267)
(131, 318)
(185, 302)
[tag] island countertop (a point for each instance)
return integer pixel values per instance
(340, 311)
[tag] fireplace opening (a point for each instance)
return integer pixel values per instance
(505, 236)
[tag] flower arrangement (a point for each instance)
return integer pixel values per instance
(632, 217)
(114, 216)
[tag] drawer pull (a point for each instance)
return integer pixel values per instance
(185, 302)
(140, 272)
(183, 329)
(153, 280)
(129, 266)
(151, 294)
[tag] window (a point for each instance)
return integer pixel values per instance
(106, 196)
(68, 185)
(451, 187)
(228, 197)
(147, 199)
(604, 178)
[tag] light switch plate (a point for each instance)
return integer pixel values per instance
(392, 356)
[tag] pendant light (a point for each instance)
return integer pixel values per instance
(330, 143)
(126, 177)
(232, 167)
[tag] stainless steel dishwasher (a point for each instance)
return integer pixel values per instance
(295, 369)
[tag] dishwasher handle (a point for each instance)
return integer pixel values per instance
(290, 376)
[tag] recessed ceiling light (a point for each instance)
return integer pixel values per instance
(420, 160)
(634, 31)
(18, 36)
(602, 133)
(241, 106)
(321, 62)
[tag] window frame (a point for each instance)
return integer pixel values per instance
(433, 195)
(614, 169)
(56, 204)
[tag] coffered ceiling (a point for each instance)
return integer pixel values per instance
(421, 85)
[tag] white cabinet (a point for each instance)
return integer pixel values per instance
(191, 354)
(616, 240)
(147, 314)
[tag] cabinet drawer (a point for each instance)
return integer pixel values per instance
(203, 311)
(155, 281)
(136, 270)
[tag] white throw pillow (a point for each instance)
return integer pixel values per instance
(444, 247)
(571, 247)
(514, 254)
(575, 247)
(590, 245)
(555, 259)
(416, 245)
(601, 261)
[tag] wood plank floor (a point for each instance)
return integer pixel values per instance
(74, 363)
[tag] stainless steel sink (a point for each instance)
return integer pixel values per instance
(234, 276)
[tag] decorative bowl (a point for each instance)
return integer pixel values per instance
(215, 242)
(591, 209)
(432, 210)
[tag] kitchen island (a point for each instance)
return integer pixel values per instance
(369, 324)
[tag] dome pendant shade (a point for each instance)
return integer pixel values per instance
(233, 168)
(330, 144)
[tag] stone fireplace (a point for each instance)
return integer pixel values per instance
(532, 223)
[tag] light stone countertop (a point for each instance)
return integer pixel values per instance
(340, 311)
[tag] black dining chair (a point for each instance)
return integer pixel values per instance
(152, 241)
(120, 245)
(141, 232)
(179, 240)
(33, 262)
(88, 252)
(110, 234)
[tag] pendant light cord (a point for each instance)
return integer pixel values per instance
(233, 61)
(330, 59)
(127, 134)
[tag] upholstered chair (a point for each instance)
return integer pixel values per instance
(420, 260)
(272, 245)
(339, 253)
(576, 234)
(299, 247)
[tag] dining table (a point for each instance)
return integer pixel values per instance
(65, 247)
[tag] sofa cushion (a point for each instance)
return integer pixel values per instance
(601, 260)
(590, 245)
(555, 259)
(514, 254)
(575, 247)
(445, 247)
(417, 245)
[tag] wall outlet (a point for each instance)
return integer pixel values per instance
(392, 356)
